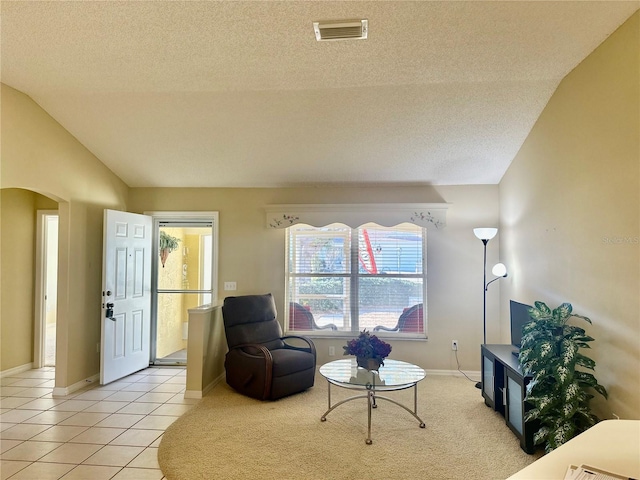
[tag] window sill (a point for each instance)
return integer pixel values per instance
(349, 335)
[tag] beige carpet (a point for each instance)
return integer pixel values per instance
(228, 436)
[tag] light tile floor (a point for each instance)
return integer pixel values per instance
(97, 433)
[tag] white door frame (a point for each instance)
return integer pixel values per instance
(40, 309)
(179, 216)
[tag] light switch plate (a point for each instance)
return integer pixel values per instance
(229, 286)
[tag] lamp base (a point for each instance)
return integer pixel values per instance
(479, 385)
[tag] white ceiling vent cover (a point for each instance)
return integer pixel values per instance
(341, 30)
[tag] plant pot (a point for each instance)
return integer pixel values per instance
(164, 253)
(369, 363)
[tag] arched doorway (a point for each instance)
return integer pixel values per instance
(20, 266)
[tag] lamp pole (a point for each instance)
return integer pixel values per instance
(484, 292)
(484, 234)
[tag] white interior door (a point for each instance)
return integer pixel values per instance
(126, 294)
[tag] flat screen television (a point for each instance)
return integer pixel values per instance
(519, 313)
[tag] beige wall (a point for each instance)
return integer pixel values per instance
(253, 256)
(570, 212)
(18, 220)
(17, 276)
(38, 154)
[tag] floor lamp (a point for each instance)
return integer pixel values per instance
(486, 234)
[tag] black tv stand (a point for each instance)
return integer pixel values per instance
(504, 388)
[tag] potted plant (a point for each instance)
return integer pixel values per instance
(559, 391)
(167, 245)
(369, 350)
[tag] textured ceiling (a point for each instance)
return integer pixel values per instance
(240, 94)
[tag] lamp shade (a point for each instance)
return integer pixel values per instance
(499, 270)
(485, 233)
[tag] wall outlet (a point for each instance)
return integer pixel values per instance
(454, 345)
(332, 351)
(229, 286)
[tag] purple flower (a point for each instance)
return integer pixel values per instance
(367, 346)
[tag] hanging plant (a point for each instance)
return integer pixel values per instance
(167, 245)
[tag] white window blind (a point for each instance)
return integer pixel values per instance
(342, 280)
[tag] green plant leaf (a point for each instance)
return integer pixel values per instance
(532, 414)
(542, 308)
(545, 403)
(585, 361)
(563, 312)
(585, 378)
(563, 433)
(569, 409)
(541, 435)
(168, 242)
(539, 373)
(573, 328)
(530, 387)
(601, 390)
(586, 319)
(524, 354)
(563, 374)
(572, 392)
(545, 349)
(569, 351)
(577, 334)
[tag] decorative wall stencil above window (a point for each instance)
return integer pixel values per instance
(429, 215)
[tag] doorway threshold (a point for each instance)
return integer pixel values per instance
(176, 358)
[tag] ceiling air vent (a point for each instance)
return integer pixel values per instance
(341, 30)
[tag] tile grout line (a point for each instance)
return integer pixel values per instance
(134, 452)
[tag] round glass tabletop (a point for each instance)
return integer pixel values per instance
(394, 374)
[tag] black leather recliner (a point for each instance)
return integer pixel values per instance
(261, 363)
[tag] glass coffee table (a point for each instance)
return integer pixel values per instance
(393, 376)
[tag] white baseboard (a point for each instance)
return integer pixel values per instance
(64, 391)
(197, 394)
(456, 373)
(14, 370)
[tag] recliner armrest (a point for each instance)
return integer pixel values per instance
(257, 360)
(307, 340)
(260, 351)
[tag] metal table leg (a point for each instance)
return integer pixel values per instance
(371, 403)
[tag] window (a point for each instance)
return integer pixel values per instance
(343, 280)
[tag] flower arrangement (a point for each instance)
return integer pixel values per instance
(367, 346)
